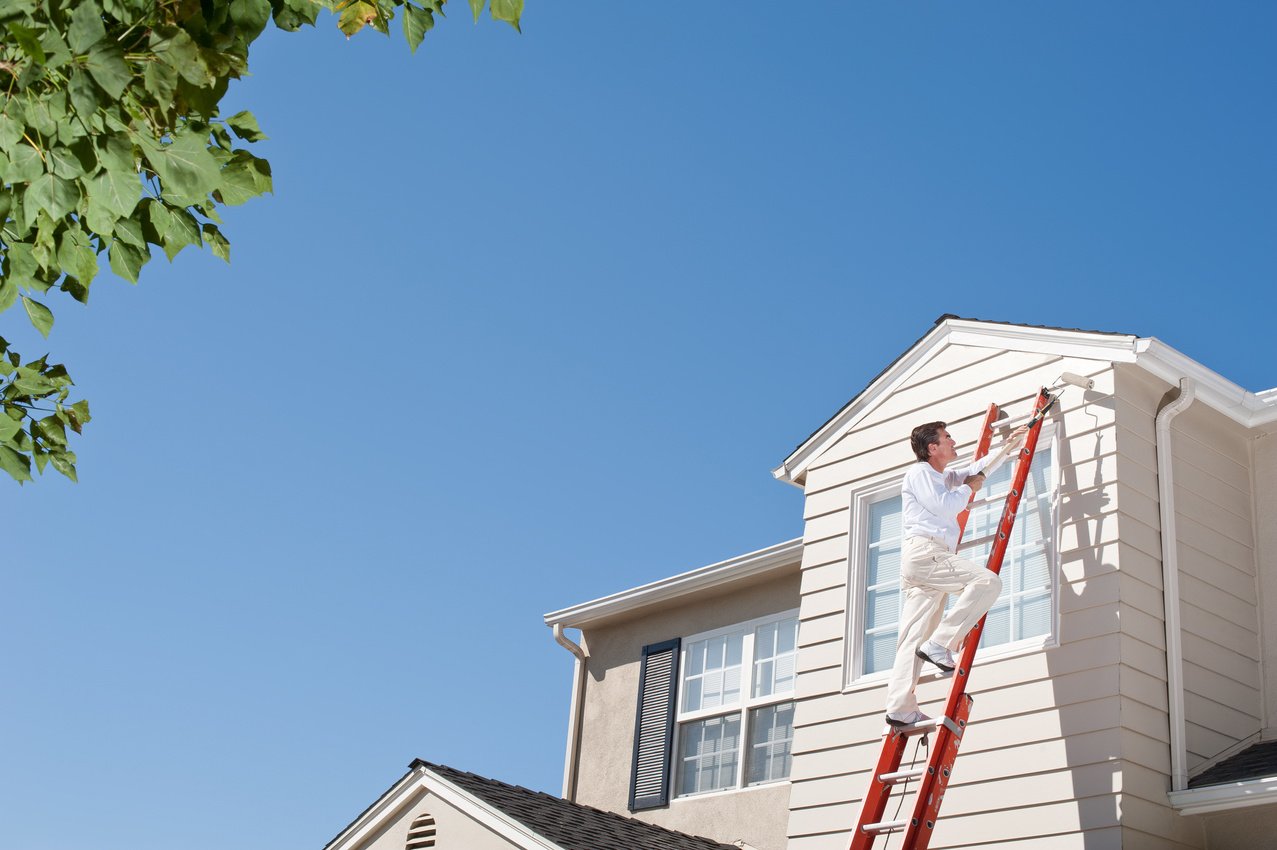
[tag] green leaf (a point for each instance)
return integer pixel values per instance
(416, 23)
(64, 462)
(250, 16)
(40, 315)
(51, 430)
(106, 64)
(25, 164)
(183, 230)
(130, 230)
(86, 27)
(9, 427)
(508, 11)
(245, 126)
(476, 6)
(187, 169)
(17, 465)
(116, 152)
(175, 48)
(84, 95)
(52, 194)
(81, 413)
(10, 132)
(161, 81)
(29, 40)
(64, 162)
(118, 191)
(8, 293)
(290, 15)
(221, 247)
(243, 178)
(127, 260)
(355, 15)
(77, 257)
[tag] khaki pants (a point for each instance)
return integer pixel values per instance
(929, 572)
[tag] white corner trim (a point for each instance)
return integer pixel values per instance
(762, 561)
(1219, 798)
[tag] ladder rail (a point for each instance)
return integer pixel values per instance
(935, 777)
(893, 748)
(931, 793)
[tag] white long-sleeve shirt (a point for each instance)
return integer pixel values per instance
(931, 501)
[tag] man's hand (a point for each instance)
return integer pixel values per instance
(1013, 442)
(975, 482)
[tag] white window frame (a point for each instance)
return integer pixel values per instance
(888, 487)
(748, 704)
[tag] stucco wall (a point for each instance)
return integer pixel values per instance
(755, 815)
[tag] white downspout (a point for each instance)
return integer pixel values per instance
(1170, 582)
(574, 712)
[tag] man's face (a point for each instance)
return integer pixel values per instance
(944, 449)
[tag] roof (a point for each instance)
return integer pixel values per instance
(1254, 762)
(1243, 780)
(764, 562)
(1244, 407)
(571, 825)
(528, 819)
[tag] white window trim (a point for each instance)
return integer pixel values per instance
(747, 704)
(887, 486)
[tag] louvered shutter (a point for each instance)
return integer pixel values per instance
(654, 726)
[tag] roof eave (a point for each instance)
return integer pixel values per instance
(772, 558)
(1230, 795)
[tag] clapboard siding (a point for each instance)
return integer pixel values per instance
(1053, 713)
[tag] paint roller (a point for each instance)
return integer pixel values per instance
(1066, 379)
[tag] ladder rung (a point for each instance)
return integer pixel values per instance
(902, 775)
(885, 827)
(925, 727)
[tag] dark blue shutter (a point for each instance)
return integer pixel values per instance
(654, 726)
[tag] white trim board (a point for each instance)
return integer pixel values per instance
(773, 558)
(1242, 406)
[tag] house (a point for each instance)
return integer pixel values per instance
(1126, 686)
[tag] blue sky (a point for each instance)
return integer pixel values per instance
(528, 320)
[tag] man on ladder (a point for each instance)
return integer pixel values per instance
(932, 497)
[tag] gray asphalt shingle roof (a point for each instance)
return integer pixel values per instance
(570, 825)
(1254, 762)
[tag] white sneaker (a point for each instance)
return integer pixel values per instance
(937, 655)
(909, 718)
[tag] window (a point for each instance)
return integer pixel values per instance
(735, 706)
(1025, 608)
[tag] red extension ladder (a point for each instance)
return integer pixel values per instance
(949, 726)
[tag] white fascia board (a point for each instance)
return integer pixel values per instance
(494, 819)
(1242, 406)
(1093, 345)
(1219, 798)
(724, 572)
(422, 778)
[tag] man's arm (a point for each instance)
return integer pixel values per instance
(937, 497)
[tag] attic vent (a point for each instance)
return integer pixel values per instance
(422, 833)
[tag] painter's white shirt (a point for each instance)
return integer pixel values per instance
(931, 501)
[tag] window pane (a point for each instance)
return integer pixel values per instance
(884, 566)
(882, 608)
(714, 681)
(771, 741)
(775, 657)
(1023, 608)
(884, 520)
(880, 651)
(881, 612)
(709, 751)
(1033, 616)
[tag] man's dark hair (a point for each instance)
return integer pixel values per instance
(923, 436)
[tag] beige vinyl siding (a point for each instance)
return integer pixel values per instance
(1264, 484)
(1053, 715)
(1217, 573)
